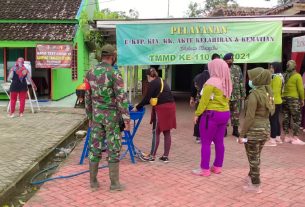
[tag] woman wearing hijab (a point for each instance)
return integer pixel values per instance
(277, 84)
(293, 100)
(197, 85)
(259, 105)
(19, 76)
(215, 114)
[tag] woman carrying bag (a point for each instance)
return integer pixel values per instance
(163, 115)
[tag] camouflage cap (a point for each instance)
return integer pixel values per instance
(108, 50)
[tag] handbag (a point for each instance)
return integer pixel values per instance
(154, 101)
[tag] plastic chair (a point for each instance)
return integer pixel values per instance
(127, 136)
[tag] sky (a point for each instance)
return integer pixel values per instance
(159, 9)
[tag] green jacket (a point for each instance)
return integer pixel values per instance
(276, 85)
(259, 104)
(294, 87)
(212, 99)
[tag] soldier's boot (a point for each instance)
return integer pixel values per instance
(93, 168)
(114, 177)
(252, 188)
(235, 131)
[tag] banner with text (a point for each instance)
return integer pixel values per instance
(53, 56)
(194, 43)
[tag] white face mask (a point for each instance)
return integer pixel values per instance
(251, 84)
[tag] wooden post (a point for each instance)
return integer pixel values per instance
(26, 54)
(245, 73)
(5, 65)
(125, 79)
(244, 82)
(135, 81)
(130, 82)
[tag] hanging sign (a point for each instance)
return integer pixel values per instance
(194, 43)
(53, 56)
(298, 44)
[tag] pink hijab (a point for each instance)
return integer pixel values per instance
(220, 76)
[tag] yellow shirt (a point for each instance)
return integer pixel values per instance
(276, 85)
(212, 99)
(294, 87)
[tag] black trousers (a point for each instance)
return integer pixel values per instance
(196, 128)
(275, 122)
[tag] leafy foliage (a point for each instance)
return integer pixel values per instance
(194, 10)
(94, 38)
(281, 2)
(107, 14)
(211, 5)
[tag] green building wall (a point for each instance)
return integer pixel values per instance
(62, 83)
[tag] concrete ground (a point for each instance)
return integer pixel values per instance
(158, 184)
(25, 140)
(67, 102)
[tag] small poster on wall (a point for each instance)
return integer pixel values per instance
(28, 66)
(53, 56)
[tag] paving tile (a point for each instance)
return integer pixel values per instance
(172, 184)
(25, 140)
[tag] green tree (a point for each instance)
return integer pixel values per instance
(211, 5)
(107, 14)
(133, 14)
(194, 10)
(281, 2)
(94, 38)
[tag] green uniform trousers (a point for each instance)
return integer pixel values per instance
(257, 136)
(100, 132)
(291, 110)
(235, 111)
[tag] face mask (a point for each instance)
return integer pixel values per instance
(289, 69)
(251, 84)
(291, 66)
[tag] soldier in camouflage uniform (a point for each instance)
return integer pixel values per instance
(238, 93)
(256, 128)
(106, 104)
(293, 100)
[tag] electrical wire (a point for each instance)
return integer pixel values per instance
(137, 152)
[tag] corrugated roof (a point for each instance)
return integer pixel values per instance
(39, 9)
(37, 32)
